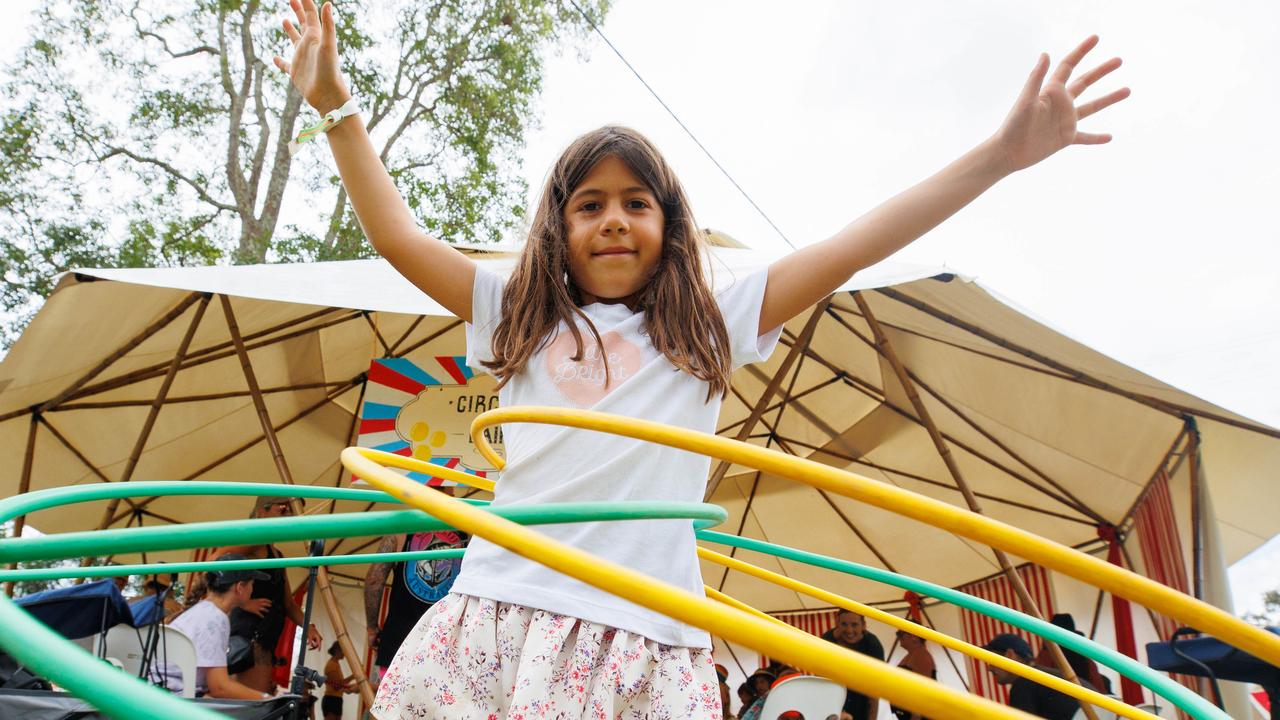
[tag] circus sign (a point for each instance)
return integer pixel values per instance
(425, 411)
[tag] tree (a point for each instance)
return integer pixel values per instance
(1270, 614)
(151, 134)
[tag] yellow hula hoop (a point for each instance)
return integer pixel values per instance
(1021, 669)
(851, 669)
(993, 533)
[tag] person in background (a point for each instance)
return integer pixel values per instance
(262, 621)
(335, 684)
(1028, 695)
(851, 632)
(746, 696)
(208, 625)
(415, 587)
(760, 682)
(1083, 666)
(917, 660)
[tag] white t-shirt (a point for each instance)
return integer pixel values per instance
(210, 631)
(549, 464)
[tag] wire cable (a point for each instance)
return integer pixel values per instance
(684, 127)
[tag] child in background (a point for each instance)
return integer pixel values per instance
(610, 308)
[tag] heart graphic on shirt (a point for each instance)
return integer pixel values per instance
(582, 381)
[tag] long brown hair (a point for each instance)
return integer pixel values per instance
(681, 319)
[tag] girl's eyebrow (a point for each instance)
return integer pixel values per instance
(597, 191)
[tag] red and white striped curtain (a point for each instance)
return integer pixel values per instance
(980, 629)
(1157, 531)
(814, 622)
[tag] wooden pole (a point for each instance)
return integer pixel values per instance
(1155, 474)
(386, 349)
(953, 441)
(429, 338)
(301, 414)
(205, 397)
(74, 451)
(202, 357)
(282, 467)
(1078, 504)
(1083, 378)
(24, 485)
(405, 336)
(931, 481)
(1197, 510)
(806, 335)
(1029, 605)
(158, 402)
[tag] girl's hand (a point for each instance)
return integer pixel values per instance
(1043, 120)
(314, 68)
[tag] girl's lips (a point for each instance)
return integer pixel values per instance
(615, 251)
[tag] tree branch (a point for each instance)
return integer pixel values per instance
(171, 170)
(144, 34)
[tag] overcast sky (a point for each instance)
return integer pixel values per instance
(1159, 249)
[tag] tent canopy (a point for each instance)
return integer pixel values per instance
(1049, 434)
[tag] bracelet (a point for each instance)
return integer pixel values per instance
(331, 118)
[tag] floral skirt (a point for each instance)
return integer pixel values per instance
(471, 658)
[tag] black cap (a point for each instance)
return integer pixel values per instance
(1008, 641)
(231, 577)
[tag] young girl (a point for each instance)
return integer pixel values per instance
(609, 308)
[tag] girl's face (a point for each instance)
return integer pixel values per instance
(615, 227)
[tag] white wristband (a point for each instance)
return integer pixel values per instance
(331, 118)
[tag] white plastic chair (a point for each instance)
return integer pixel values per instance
(812, 696)
(124, 644)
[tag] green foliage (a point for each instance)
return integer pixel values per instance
(1270, 615)
(152, 134)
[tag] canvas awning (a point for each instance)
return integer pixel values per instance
(1051, 435)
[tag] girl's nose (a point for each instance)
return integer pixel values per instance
(614, 221)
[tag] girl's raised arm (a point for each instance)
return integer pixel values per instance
(438, 269)
(1042, 122)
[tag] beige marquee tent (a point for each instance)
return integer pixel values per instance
(136, 374)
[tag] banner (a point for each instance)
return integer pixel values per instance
(425, 411)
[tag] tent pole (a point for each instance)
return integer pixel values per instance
(931, 481)
(428, 338)
(399, 341)
(746, 512)
(1079, 504)
(301, 414)
(123, 350)
(1097, 615)
(145, 433)
(1197, 511)
(74, 451)
(106, 404)
(863, 386)
(1160, 467)
(206, 355)
(24, 485)
(806, 335)
(352, 433)
(1080, 377)
(922, 412)
(973, 351)
(883, 561)
(386, 349)
(282, 467)
(797, 396)
(857, 384)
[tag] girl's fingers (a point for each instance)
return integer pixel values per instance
(281, 63)
(1063, 72)
(1107, 100)
(1082, 83)
(292, 32)
(309, 9)
(1032, 87)
(1091, 138)
(326, 23)
(297, 13)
